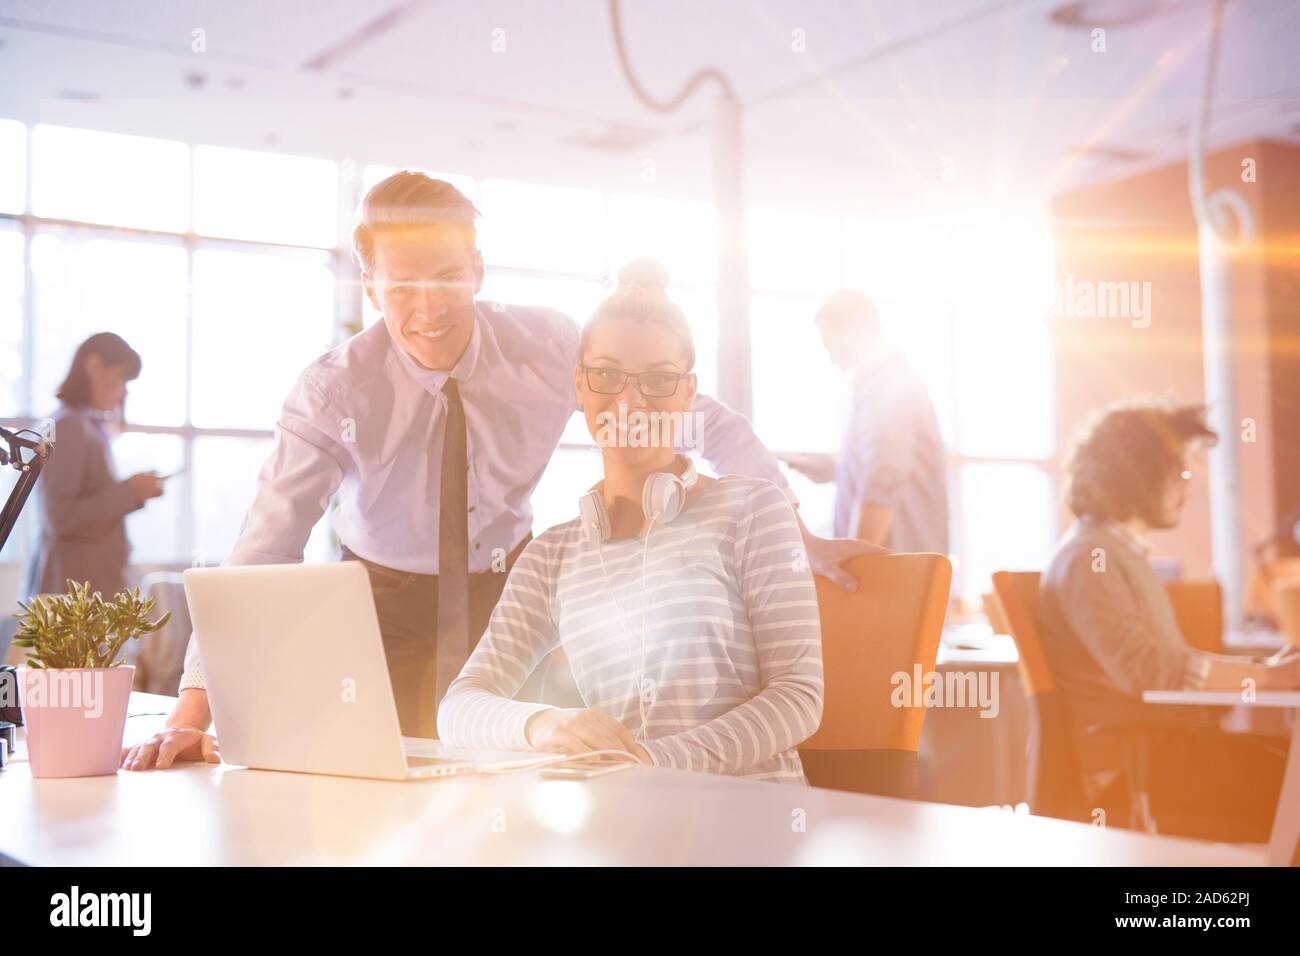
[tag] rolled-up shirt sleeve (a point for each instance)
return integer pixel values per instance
(726, 440)
(305, 467)
(1102, 610)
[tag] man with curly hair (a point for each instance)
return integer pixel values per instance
(1110, 633)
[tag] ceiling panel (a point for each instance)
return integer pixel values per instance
(887, 101)
(275, 32)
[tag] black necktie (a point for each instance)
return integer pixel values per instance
(453, 545)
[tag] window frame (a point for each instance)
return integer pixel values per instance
(349, 317)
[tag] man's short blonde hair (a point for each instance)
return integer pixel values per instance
(406, 200)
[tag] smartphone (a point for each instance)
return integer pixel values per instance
(583, 771)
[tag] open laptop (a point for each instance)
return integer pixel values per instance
(297, 679)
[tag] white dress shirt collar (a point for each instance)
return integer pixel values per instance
(432, 380)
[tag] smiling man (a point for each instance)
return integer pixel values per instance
(433, 428)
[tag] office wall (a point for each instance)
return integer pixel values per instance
(1141, 230)
(1281, 212)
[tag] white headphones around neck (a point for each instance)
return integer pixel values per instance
(662, 498)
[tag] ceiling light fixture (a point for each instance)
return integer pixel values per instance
(1108, 14)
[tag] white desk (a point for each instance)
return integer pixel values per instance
(1286, 824)
(973, 644)
(200, 814)
(973, 647)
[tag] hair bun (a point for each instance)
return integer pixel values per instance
(644, 273)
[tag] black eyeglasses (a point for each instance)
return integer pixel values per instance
(612, 381)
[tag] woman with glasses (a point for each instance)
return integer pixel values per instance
(683, 603)
(83, 503)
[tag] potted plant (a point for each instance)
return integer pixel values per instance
(74, 689)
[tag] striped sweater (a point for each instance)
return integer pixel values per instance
(732, 645)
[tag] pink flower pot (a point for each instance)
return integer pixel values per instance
(75, 718)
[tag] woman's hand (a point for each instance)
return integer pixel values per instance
(174, 743)
(579, 730)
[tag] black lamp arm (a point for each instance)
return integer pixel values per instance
(12, 448)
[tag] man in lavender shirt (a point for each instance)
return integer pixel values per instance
(444, 387)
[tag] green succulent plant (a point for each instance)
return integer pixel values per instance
(81, 629)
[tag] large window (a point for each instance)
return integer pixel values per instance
(12, 246)
(224, 308)
(243, 194)
(260, 317)
(13, 166)
(229, 270)
(966, 302)
(84, 282)
(109, 178)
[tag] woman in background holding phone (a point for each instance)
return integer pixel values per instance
(83, 505)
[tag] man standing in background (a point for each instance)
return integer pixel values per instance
(890, 474)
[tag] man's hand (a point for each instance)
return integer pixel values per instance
(819, 468)
(174, 743)
(826, 555)
(577, 731)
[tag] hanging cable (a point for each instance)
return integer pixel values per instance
(1211, 209)
(662, 106)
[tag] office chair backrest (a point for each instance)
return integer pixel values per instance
(1017, 593)
(1055, 788)
(996, 616)
(1198, 608)
(1263, 576)
(1286, 595)
(889, 626)
(160, 659)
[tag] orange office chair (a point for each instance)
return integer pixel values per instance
(1055, 788)
(1055, 785)
(1198, 608)
(1264, 581)
(1286, 597)
(891, 624)
(993, 611)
